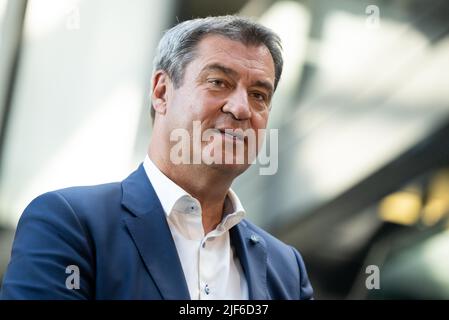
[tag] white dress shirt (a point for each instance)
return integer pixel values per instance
(211, 267)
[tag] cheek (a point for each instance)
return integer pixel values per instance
(259, 121)
(182, 108)
(206, 106)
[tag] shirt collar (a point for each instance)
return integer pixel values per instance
(169, 193)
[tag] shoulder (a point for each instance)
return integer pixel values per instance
(78, 199)
(72, 204)
(85, 193)
(73, 213)
(56, 231)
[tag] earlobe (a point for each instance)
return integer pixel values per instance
(159, 94)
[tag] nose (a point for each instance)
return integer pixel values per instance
(237, 105)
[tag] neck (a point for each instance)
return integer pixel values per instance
(206, 184)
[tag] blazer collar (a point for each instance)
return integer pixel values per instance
(151, 234)
(252, 252)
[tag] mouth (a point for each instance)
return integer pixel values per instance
(233, 134)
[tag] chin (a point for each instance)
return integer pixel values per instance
(234, 169)
(225, 162)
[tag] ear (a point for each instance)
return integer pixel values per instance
(160, 82)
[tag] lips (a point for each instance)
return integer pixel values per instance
(232, 133)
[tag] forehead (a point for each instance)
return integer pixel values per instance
(255, 60)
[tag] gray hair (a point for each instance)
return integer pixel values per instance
(177, 47)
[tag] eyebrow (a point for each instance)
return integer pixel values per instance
(266, 85)
(221, 68)
(231, 72)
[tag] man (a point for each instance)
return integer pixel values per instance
(171, 230)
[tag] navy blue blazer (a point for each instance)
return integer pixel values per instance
(117, 235)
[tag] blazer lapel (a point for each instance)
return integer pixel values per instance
(252, 253)
(151, 234)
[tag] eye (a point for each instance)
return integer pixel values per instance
(216, 83)
(259, 96)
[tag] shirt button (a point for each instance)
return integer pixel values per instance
(206, 289)
(204, 244)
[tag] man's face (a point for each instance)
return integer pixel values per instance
(227, 86)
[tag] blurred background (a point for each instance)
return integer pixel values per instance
(362, 112)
